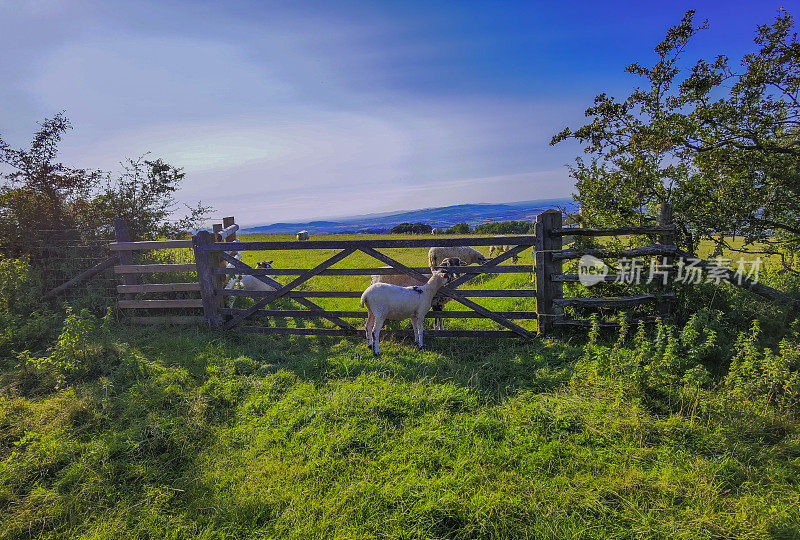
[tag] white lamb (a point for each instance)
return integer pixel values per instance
(302, 236)
(497, 250)
(404, 280)
(384, 301)
(248, 282)
(467, 255)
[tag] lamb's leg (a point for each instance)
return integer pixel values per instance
(415, 329)
(376, 333)
(369, 325)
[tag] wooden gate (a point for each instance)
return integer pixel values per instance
(214, 260)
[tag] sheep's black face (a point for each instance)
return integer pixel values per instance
(449, 263)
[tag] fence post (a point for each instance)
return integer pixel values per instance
(664, 218)
(122, 233)
(219, 280)
(547, 290)
(226, 222)
(205, 262)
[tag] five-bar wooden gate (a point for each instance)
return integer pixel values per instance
(214, 259)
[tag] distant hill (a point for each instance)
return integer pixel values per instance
(442, 217)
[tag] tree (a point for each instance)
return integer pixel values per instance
(411, 228)
(44, 202)
(721, 145)
(40, 194)
(459, 228)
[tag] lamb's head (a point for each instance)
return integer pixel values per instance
(264, 265)
(447, 264)
(438, 279)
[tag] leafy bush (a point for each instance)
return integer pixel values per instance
(24, 323)
(667, 366)
(764, 375)
(74, 354)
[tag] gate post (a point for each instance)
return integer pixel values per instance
(122, 233)
(204, 260)
(547, 290)
(664, 218)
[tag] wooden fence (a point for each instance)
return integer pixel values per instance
(217, 259)
(181, 310)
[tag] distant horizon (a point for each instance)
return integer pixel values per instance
(442, 217)
(351, 217)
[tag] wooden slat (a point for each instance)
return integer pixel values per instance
(645, 251)
(611, 231)
(603, 324)
(471, 270)
(150, 245)
(153, 268)
(384, 332)
(158, 288)
(618, 302)
(300, 300)
(167, 319)
(83, 276)
(306, 314)
(573, 278)
(472, 293)
(750, 285)
(525, 241)
(161, 304)
(273, 295)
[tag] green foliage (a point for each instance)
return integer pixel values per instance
(44, 202)
(412, 228)
(719, 144)
(765, 375)
(505, 227)
(198, 434)
(24, 322)
(74, 354)
(459, 228)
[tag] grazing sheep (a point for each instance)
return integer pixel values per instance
(467, 255)
(384, 301)
(248, 282)
(404, 280)
(302, 236)
(497, 250)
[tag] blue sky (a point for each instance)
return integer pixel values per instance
(298, 110)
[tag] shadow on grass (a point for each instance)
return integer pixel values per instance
(495, 367)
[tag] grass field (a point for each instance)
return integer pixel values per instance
(188, 433)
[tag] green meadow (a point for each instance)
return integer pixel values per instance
(688, 429)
